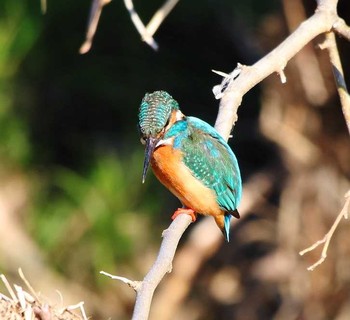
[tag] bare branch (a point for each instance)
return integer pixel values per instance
(344, 213)
(341, 28)
(159, 16)
(140, 27)
(162, 265)
(322, 21)
(95, 13)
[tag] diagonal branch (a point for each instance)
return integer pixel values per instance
(322, 21)
(160, 15)
(95, 13)
(161, 266)
(140, 27)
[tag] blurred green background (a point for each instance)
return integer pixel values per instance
(71, 161)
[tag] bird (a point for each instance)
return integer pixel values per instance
(191, 159)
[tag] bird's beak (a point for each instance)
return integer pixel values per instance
(150, 145)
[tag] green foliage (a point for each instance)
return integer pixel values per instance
(18, 33)
(95, 219)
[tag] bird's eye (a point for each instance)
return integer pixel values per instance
(143, 141)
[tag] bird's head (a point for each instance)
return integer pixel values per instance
(158, 112)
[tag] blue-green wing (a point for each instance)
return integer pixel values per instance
(212, 161)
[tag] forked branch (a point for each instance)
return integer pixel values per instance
(344, 213)
(146, 32)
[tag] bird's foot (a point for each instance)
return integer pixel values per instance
(185, 211)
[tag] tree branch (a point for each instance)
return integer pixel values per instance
(159, 16)
(323, 20)
(341, 28)
(162, 265)
(140, 27)
(95, 13)
(146, 32)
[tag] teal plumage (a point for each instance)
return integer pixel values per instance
(155, 110)
(200, 148)
(209, 158)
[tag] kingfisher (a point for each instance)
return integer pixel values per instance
(191, 159)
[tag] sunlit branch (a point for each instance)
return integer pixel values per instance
(95, 13)
(140, 27)
(341, 28)
(160, 15)
(323, 20)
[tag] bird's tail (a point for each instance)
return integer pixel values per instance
(223, 222)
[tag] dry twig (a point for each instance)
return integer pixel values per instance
(159, 16)
(344, 213)
(146, 32)
(140, 27)
(23, 306)
(95, 13)
(132, 284)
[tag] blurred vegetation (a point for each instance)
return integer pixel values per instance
(68, 133)
(18, 33)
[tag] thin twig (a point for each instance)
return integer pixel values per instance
(79, 306)
(132, 284)
(159, 16)
(344, 213)
(9, 288)
(140, 27)
(95, 13)
(31, 289)
(282, 76)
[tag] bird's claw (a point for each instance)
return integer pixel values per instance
(190, 212)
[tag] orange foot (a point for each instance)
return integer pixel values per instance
(185, 211)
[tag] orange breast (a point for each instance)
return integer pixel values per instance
(167, 165)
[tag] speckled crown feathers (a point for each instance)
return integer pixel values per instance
(154, 112)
